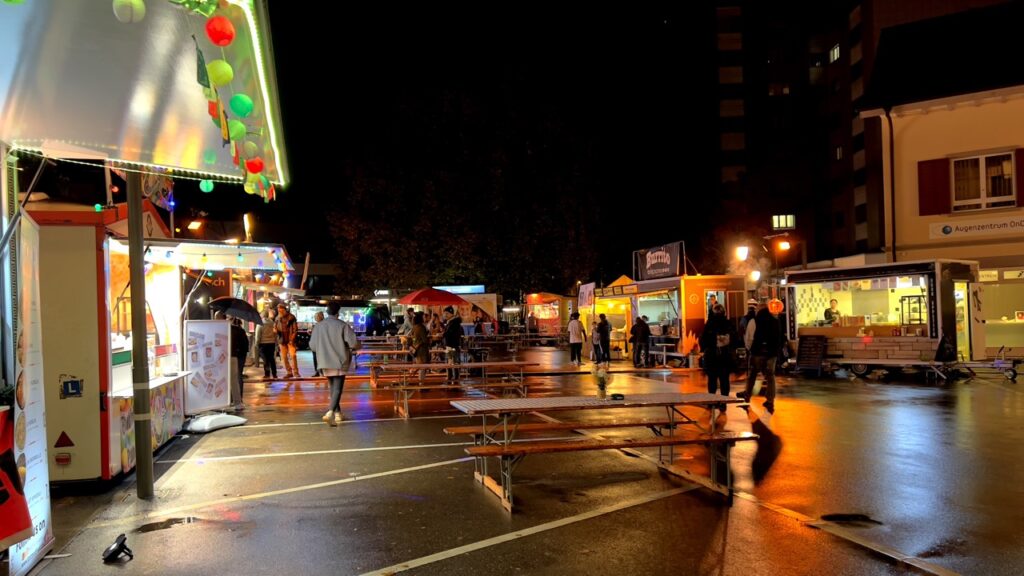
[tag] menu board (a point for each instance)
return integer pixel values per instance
(29, 409)
(207, 356)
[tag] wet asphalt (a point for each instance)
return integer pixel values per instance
(930, 472)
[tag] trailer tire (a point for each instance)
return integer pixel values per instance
(860, 370)
(1011, 374)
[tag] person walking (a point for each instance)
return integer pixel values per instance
(420, 342)
(577, 336)
(764, 340)
(334, 342)
(317, 318)
(266, 339)
(287, 329)
(718, 340)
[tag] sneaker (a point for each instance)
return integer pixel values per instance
(329, 418)
(770, 407)
(338, 418)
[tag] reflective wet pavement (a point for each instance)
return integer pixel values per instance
(926, 471)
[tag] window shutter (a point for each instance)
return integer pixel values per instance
(934, 187)
(1018, 175)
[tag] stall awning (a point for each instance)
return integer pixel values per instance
(278, 290)
(206, 255)
(145, 104)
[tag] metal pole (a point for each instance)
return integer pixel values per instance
(140, 351)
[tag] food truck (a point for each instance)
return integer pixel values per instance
(889, 315)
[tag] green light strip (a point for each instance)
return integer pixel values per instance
(247, 8)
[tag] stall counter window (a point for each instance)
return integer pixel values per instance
(887, 306)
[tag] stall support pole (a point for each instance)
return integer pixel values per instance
(140, 352)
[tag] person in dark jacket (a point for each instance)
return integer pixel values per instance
(239, 350)
(641, 337)
(453, 339)
(717, 341)
(764, 340)
(604, 336)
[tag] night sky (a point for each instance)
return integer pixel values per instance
(630, 89)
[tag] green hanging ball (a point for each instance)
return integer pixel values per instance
(206, 186)
(14, 1)
(251, 150)
(220, 72)
(236, 129)
(127, 11)
(210, 157)
(96, 207)
(241, 105)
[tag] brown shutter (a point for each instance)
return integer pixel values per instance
(934, 187)
(1018, 170)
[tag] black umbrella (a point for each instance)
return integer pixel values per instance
(236, 308)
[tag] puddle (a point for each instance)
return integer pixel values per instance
(861, 519)
(950, 546)
(165, 524)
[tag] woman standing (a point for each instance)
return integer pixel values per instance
(420, 341)
(718, 342)
(267, 339)
(577, 335)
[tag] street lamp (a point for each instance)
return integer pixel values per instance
(742, 252)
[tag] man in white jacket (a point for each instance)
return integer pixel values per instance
(334, 342)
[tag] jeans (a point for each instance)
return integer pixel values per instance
(576, 352)
(640, 353)
(718, 378)
(337, 385)
(765, 364)
(288, 356)
(455, 357)
(269, 359)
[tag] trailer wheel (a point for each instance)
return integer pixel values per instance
(860, 370)
(1011, 374)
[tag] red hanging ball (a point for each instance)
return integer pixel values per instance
(254, 165)
(220, 31)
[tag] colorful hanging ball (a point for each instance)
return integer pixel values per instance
(129, 11)
(210, 156)
(206, 186)
(236, 129)
(220, 31)
(249, 188)
(254, 165)
(241, 105)
(220, 72)
(251, 150)
(14, 1)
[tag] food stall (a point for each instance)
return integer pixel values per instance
(84, 278)
(889, 314)
(676, 307)
(551, 312)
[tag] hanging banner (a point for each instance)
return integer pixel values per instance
(659, 262)
(207, 353)
(29, 412)
(586, 296)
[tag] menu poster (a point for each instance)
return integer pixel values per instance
(29, 410)
(207, 353)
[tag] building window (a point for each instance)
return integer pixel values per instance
(783, 222)
(983, 182)
(730, 41)
(731, 108)
(839, 152)
(730, 75)
(732, 141)
(833, 54)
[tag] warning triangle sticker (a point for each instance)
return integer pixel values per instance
(63, 441)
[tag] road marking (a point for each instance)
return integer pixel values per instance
(451, 553)
(271, 493)
(344, 422)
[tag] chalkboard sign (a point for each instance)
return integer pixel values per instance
(811, 353)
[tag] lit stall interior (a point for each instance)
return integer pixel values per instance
(883, 306)
(662, 311)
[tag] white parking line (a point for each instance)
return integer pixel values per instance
(344, 422)
(451, 553)
(261, 495)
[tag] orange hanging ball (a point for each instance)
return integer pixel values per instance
(220, 31)
(775, 306)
